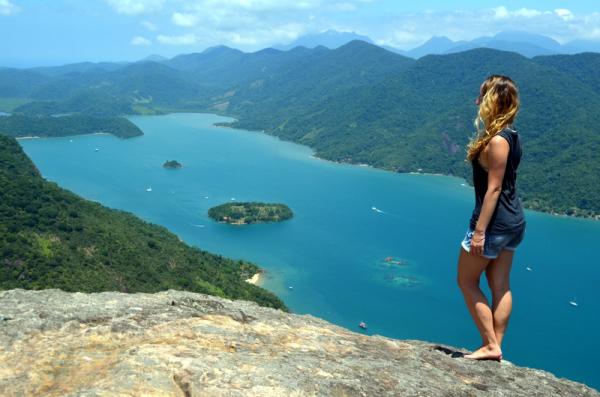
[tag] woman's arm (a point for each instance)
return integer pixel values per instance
(497, 155)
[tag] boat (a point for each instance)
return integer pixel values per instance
(97, 150)
(573, 303)
(149, 189)
(290, 287)
(362, 325)
(528, 269)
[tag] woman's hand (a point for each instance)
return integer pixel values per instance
(477, 243)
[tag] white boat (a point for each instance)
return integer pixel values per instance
(149, 189)
(573, 303)
(232, 199)
(290, 287)
(96, 150)
(528, 269)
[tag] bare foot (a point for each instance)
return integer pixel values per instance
(487, 352)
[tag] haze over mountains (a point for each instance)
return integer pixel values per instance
(524, 43)
(358, 103)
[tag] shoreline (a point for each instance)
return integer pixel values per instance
(594, 217)
(255, 279)
(22, 138)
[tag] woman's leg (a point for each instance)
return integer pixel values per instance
(498, 276)
(470, 268)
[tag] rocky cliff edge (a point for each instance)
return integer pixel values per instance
(173, 343)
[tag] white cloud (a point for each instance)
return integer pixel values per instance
(182, 19)
(255, 24)
(501, 12)
(139, 40)
(504, 13)
(149, 25)
(408, 30)
(186, 39)
(527, 13)
(564, 13)
(7, 8)
(135, 7)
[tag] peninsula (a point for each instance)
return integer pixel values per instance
(250, 212)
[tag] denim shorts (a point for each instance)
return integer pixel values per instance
(495, 243)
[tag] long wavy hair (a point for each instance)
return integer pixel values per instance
(498, 106)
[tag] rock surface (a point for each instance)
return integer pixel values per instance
(172, 343)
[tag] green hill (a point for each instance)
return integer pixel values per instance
(51, 238)
(358, 103)
(17, 125)
(420, 117)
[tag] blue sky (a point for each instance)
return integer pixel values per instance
(47, 32)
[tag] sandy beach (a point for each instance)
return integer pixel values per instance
(254, 279)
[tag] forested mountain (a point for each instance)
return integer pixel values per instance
(360, 103)
(18, 125)
(51, 238)
(421, 117)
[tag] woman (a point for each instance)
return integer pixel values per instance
(498, 224)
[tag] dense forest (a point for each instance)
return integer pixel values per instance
(358, 103)
(252, 212)
(18, 125)
(51, 238)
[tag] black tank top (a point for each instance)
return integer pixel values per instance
(508, 215)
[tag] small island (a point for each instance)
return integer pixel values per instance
(251, 212)
(172, 164)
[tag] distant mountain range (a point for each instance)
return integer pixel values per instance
(331, 39)
(524, 43)
(358, 103)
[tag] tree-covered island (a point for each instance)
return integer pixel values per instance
(251, 212)
(172, 164)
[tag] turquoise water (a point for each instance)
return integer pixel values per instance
(332, 252)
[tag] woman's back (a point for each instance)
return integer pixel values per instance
(509, 215)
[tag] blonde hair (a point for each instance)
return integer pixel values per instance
(498, 107)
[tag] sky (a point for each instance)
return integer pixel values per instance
(52, 32)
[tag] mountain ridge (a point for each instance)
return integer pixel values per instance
(341, 103)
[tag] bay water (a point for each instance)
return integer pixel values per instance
(364, 244)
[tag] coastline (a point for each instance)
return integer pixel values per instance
(22, 138)
(255, 279)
